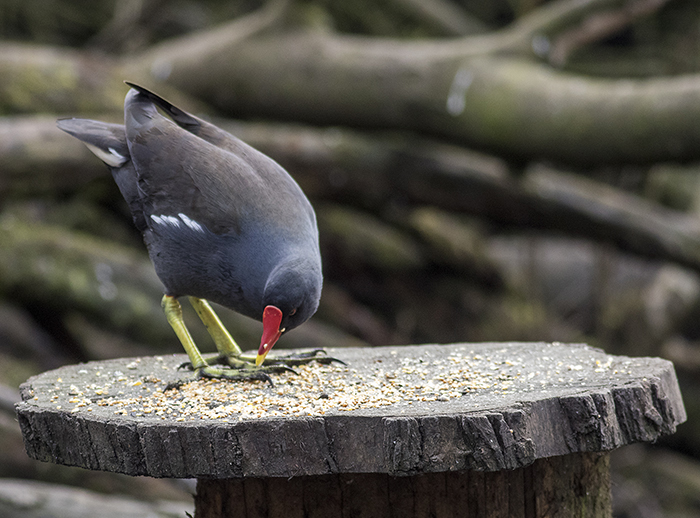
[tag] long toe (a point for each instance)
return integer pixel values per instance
(278, 368)
(303, 358)
(235, 374)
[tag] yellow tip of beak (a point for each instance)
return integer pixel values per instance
(259, 359)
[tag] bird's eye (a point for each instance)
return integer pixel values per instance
(293, 312)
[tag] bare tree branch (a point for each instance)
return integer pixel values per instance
(509, 106)
(194, 50)
(37, 79)
(444, 15)
(457, 89)
(599, 26)
(36, 159)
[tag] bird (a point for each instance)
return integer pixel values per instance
(222, 223)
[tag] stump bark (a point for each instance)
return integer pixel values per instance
(478, 430)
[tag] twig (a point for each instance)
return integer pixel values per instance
(192, 48)
(443, 15)
(599, 26)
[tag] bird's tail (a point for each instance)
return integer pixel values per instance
(107, 141)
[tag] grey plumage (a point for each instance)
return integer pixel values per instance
(222, 221)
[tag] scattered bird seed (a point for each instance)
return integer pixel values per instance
(315, 390)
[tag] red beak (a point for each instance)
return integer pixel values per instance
(272, 318)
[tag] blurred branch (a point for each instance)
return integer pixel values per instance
(70, 270)
(179, 55)
(36, 79)
(600, 26)
(124, 31)
(567, 202)
(444, 15)
(35, 158)
(513, 107)
(195, 50)
(537, 28)
(459, 89)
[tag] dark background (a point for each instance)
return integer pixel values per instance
(493, 170)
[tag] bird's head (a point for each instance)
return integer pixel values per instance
(291, 297)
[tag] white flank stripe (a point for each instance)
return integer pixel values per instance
(166, 220)
(191, 223)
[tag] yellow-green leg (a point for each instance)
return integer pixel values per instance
(225, 344)
(173, 312)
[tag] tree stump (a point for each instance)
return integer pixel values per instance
(477, 430)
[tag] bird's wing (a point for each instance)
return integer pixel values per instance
(180, 172)
(108, 142)
(201, 128)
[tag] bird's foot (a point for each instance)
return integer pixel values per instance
(302, 358)
(242, 367)
(237, 364)
(249, 373)
(282, 362)
(245, 374)
(236, 370)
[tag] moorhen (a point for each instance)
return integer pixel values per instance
(222, 222)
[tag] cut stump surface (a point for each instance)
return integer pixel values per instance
(392, 410)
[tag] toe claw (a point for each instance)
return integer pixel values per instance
(261, 376)
(327, 360)
(175, 385)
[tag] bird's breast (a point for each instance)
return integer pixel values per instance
(229, 269)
